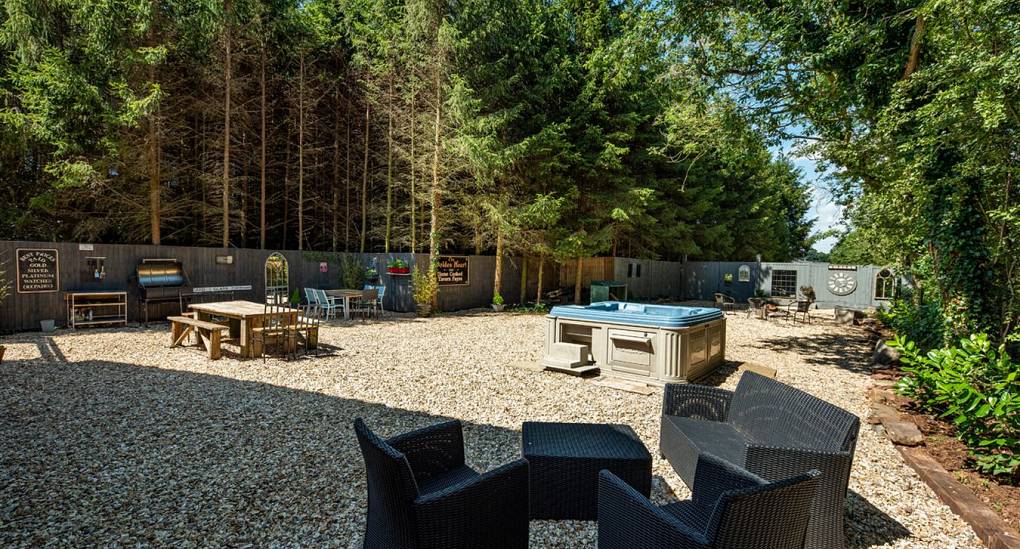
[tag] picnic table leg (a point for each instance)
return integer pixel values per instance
(175, 333)
(214, 344)
(347, 307)
(250, 347)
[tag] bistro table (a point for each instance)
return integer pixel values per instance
(347, 296)
(243, 316)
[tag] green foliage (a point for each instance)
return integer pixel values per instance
(352, 272)
(922, 325)
(497, 299)
(424, 285)
(975, 386)
(396, 263)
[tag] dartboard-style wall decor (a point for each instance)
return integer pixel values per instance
(842, 283)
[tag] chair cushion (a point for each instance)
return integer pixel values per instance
(684, 439)
(444, 480)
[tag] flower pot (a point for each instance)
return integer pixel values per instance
(423, 309)
(47, 325)
(498, 307)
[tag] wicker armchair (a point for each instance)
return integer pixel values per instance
(724, 302)
(422, 495)
(730, 508)
(770, 429)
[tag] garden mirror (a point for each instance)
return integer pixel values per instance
(277, 286)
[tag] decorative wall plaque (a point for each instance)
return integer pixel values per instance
(842, 283)
(452, 270)
(38, 271)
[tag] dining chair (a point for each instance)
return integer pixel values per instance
(275, 328)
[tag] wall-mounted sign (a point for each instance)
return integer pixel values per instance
(841, 284)
(217, 289)
(86, 247)
(224, 260)
(38, 271)
(838, 267)
(452, 270)
(744, 273)
(323, 267)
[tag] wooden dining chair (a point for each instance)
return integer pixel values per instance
(305, 330)
(275, 329)
(367, 305)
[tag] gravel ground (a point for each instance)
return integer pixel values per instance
(111, 438)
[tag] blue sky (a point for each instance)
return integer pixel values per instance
(826, 213)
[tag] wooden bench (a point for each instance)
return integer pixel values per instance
(209, 333)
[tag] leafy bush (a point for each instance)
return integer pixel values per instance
(808, 292)
(424, 286)
(352, 272)
(975, 386)
(497, 299)
(921, 324)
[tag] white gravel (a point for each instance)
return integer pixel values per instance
(111, 438)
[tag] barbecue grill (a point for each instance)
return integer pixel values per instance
(160, 281)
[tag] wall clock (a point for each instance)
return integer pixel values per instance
(842, 283)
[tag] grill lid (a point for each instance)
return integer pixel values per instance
(155, 273)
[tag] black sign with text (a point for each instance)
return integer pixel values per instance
(38, 271)
(452, 270)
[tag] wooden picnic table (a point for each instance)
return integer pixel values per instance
(347, 295)
(244, 316)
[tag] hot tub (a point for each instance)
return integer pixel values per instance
(635, 341)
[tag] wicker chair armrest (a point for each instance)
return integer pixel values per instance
(627, 519)
(474, 512)
(432, 450)
(696, 401)
(774, 463)
(715, 476)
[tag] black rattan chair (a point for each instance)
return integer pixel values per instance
(771, 429)
(730, 508)
(422, 495)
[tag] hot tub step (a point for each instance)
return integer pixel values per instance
(559, 365)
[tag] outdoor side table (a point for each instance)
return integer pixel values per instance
(564, 460)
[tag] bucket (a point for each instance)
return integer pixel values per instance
(47, 325)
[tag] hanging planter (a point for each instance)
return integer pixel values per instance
(398, 267)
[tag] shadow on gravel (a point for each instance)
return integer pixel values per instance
(849, 351)
(107, 453)
(867, 525)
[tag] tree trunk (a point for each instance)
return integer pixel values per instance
(524, 280)
(262, 149)
(301, 155)
(389, 168)
(577, 280)
(364, 181)
(226, 142)
(915, 47)
(538, 294)
(497, 283)
(414, 246)
(347, 182)
(436, 196)
(154, 169)
(336, 167)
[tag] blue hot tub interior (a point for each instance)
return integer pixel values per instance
(638, 314)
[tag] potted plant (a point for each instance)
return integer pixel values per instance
(424, 289)
(808, 292)
(497, 302)
(398, 266)
(728, 278)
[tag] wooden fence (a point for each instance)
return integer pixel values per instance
(592, 268)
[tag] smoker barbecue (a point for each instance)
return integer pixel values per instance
(160, 281)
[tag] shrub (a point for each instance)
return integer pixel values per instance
(975, 386)
(808, 292)
(920, 324)
(352, 272)
(423, 286)
(497, 299)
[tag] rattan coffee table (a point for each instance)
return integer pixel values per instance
(564, 461)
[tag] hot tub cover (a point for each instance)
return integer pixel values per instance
(638, 314)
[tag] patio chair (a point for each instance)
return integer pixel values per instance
(304, 332)
(421, 494)
(729, 507)
(275, 329)
(366, 304)
(771, 429)
(801, 307)
(379, 300)
(756, 306)
(326, 305)
(724, 302)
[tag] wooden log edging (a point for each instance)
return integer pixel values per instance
(990, 527)
(986, 524)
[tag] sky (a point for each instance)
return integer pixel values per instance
(826, 213)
